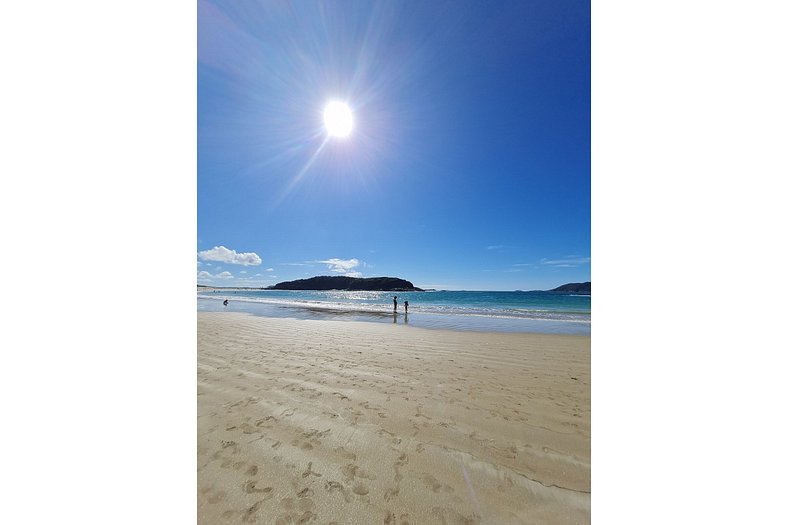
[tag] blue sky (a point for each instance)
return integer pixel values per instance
(468, 166)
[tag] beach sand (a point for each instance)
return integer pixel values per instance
(303, 421)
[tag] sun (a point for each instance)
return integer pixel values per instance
(338, 119)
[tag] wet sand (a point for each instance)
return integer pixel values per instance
(306, 421)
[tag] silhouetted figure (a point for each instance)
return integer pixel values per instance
(225, 302)
(395, 304)
(406, 307)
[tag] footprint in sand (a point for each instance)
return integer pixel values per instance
(360, 489)
(305, 445)
(250, 487)
(261, 422)
(306, 517)
(401, 461)
(391, 519)
(352, 471)
(335, 486)
(309, 471)
(345, 453)
(315, 433)
(248, 429)
(435, 485)
(384, 431)
(252, 471)
(249, 516)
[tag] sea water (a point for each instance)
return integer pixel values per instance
(545, 312)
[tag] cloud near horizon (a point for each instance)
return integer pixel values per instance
(226, 255)
(570, 261)
(203, 275)
(343, 266)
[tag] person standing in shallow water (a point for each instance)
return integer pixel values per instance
(406, 307)
(395, 304)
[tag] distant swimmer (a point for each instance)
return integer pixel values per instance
(395, 303)
(225, 302)
(406, 307)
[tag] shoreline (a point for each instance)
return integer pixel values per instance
(364, 422)
(469, 321)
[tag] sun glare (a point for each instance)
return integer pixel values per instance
(338, 119)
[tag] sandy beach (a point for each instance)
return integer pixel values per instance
(308, 421)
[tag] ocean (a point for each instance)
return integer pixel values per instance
(541, 312)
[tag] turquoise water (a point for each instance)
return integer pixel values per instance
(461, 310)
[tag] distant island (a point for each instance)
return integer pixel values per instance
(376, 284)
(338, 282)
(581, 288)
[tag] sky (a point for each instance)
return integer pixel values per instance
(468, 166)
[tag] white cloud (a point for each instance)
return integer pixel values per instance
(222, 254)
(204, 275)
(242, 271)
(269, 269)
(496, 247)
(342, 266)
(570, 261)
(224, 275)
